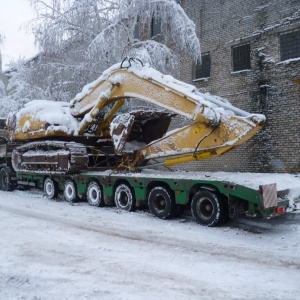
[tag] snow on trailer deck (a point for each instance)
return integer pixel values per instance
(283, 182)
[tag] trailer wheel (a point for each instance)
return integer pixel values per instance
(50, 188)
(124, 197)
(162, 203)
(94, 194)
(70, 191)
(6, 184)
(208, 208)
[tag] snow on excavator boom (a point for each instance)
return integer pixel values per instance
(216, 126)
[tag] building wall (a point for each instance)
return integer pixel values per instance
(270, 87)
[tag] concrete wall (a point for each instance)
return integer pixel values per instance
(270, 87)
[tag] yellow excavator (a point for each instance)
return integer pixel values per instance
(90, 131)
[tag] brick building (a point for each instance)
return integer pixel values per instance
(251, 56)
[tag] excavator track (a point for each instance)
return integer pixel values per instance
(50, 156)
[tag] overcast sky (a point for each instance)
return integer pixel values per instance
(18, 42)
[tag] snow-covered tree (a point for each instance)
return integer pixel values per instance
(2, 89)
(21, 88)
(82, 38)
(1, 42)
(2, 86)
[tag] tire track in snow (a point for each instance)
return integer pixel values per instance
(252, 256)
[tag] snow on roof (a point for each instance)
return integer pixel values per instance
(8, 70)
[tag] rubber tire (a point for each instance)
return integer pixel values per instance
(50, 188)
(208, 208)
(6, 183)
(70, 191)
(124, 197)
(161, 203)
(94, 194)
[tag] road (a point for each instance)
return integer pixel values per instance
(54, 250)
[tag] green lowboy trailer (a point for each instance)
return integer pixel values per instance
(211, 198)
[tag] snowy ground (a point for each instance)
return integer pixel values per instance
(54, 250)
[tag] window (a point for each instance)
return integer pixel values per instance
(241, 57)
(290, 45)
(202, 70)
(155, 27)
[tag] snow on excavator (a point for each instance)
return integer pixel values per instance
(89, 132)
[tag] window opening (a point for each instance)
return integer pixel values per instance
(290, 45)
(241, 57)
(202, 70)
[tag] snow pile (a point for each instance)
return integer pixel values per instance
(56, 115)
(133, 145)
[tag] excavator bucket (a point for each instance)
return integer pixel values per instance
(133, 130)
(120, 129)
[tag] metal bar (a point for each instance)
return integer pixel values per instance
(39, 163)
